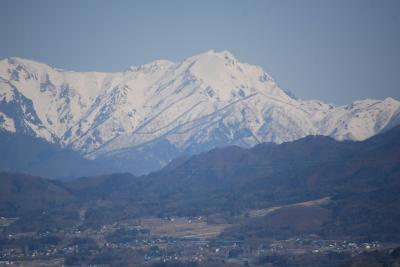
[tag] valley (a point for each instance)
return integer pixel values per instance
(178, 133)
(183, 241)
(313, 200)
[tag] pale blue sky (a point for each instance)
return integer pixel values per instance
(337, 51)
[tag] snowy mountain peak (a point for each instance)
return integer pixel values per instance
(28, 65)
(153, 66)
(225, 54)
(161, 110)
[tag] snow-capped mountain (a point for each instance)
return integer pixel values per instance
(146, 116)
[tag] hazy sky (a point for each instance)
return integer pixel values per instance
(336, 51)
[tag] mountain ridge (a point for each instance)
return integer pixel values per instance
(146, 116)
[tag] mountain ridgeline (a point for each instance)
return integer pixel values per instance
(141, 119)
(314, 185)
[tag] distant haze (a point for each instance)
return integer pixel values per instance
(336, 51)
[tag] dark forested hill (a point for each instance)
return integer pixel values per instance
(21, 193)
(358, 183)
